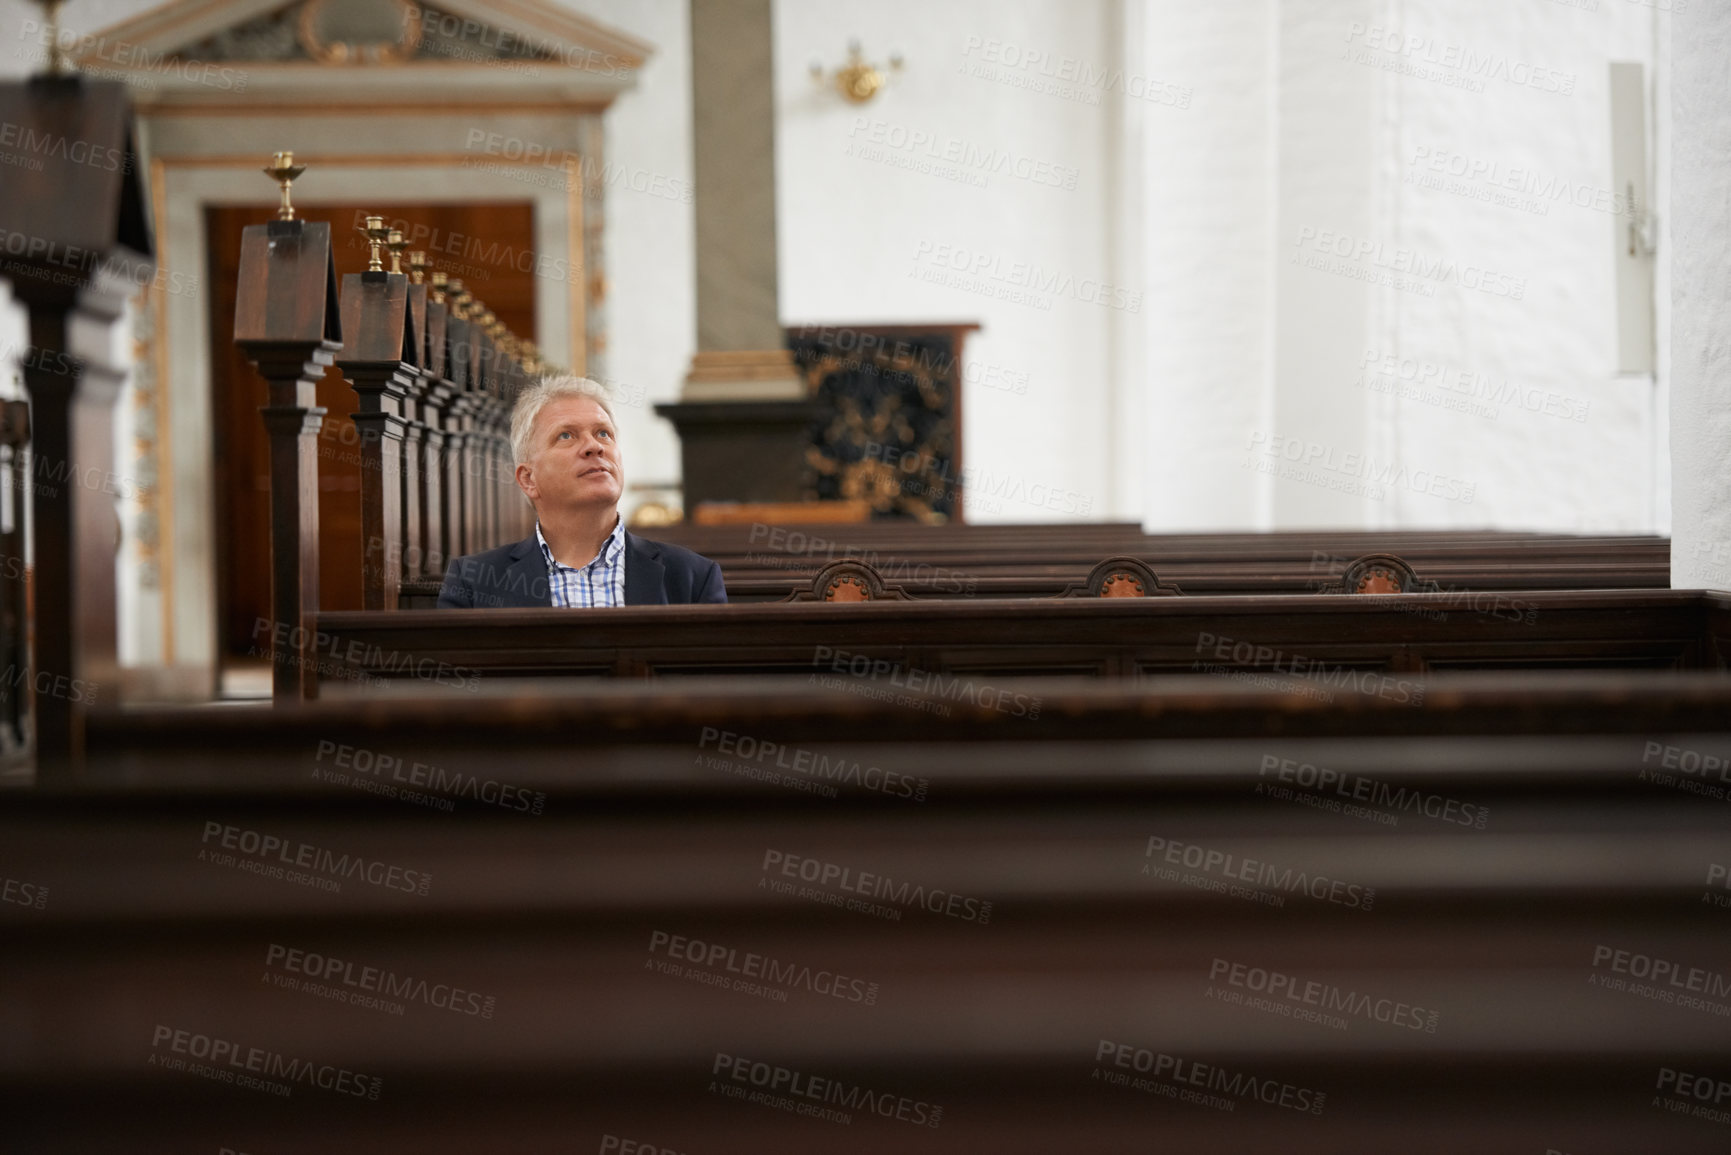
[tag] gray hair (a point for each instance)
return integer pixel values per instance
(536, 398)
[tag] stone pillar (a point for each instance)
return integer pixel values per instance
(743, 417)
(740, 352)
(1701, 297)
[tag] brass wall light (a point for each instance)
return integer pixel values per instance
(857, 80)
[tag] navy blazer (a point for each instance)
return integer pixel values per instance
(515, 576)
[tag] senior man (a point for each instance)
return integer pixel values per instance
(568, 464)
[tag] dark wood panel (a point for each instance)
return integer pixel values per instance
(1502, 930)
(493, 272)
(1316, 640)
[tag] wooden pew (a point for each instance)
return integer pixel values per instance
(1460, 978)
(1321, 639)
(765, 563)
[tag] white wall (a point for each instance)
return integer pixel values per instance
(649, 236)
(1251, 121)
(874, 221)
(1365, 96)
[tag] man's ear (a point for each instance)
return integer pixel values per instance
(526, 482)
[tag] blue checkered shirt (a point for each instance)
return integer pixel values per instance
(600, 583)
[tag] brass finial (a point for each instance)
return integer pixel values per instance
(459, 298)
(439, 279)
(59, 64)
(418, 267)
(377, 235)
(395, 242)
(284, 170)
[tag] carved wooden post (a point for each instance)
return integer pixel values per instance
(412, 478)
(380, 367)
(76, 244)
(287, 324)
(460, 351)
(15, 589)
(488, 376)
(440, 319)
(434, 396)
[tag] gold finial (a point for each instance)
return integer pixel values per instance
(59, 64)
(395, 242)
(418, 267)
(377, 234)
(284, 170)
(459, 297)
(439, 279)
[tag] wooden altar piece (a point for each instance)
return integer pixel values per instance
(78, 245)
(381, 367)
(287, 323)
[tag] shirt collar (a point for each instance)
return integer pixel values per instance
(614, 542)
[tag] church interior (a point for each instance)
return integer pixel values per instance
(1162, 581)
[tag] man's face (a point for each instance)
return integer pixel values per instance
(574, 461)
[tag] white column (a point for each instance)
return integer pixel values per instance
(1206, 183)
(1701, 297)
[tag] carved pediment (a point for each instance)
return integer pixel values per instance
(197, 52)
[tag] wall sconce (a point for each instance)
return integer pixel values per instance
(857, 80)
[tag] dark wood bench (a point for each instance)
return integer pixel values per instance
(1473, 966)
(765, 563)
(1321, 639)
